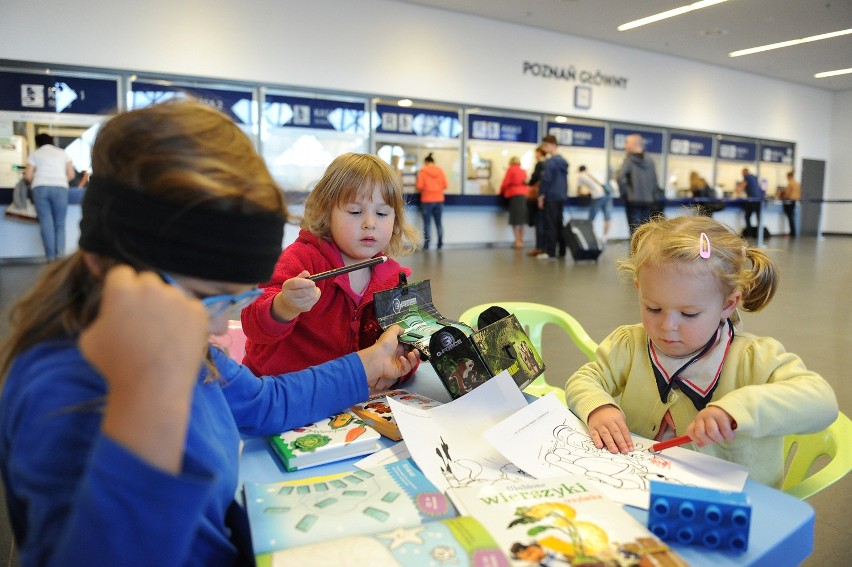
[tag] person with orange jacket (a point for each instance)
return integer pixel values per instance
(431, 184)
(514, 189)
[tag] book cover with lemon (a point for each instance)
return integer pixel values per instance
(341, 436)
(561, 521)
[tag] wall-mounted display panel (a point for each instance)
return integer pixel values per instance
(653, 140)
(776, 159)
(734, 155)
(301, 134)
(690, 154)
(493, 138)
(581, 143)
(405, 135)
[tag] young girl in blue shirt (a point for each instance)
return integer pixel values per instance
(119, 422)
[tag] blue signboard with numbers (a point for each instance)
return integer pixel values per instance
(735, 150)
(284, 111)
(502, 128)
(653, 140)
(578, 135)
(413, 121)
(776, 153)
(236, 103)
(690, 145)
(65, 94)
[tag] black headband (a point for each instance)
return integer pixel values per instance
(193, 239)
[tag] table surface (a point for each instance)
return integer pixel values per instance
(781, 532)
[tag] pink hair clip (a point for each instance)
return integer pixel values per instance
(704, 246)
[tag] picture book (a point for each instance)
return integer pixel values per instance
(338, 437)
(460, 542)
(504, 345)
(377, 413)
(561, 521)
(365, 502)
(457, 362)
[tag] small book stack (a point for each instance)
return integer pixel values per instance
(338, 437)
(377, 413)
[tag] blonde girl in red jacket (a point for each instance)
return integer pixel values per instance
(514, 189)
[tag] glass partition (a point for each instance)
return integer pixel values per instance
(582, 143)
(776, 159)
(493, 138)
(734, 155)
(690, 156)
(405, 135)
(301, 135)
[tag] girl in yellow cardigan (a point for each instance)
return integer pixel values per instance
(686, 370)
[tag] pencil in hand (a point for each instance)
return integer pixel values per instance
(677, 441)
(347, 269)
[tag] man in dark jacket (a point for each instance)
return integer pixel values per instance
(749, 187)
(637, 181)
(552, 192)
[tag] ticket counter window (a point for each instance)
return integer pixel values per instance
(734, 155)
(581, 143)
(653, 149)
(301, 136)
(689, 161)
(407, 134)
(492, 140)
(776, 159)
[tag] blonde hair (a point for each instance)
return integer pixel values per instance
(734, 264)
(349, 177)
(184, 149)
(514, 160)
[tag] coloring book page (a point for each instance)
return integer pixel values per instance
(546, 440)
(446, 441)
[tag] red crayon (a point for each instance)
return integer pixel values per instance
(676, 442)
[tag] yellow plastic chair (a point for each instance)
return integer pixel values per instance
(835, 443)
(533, 317)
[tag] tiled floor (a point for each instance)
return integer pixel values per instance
(810, 315)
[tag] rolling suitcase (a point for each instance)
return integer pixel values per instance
(582, 240)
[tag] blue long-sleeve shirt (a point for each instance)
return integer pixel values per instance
(76, 497)
(554, 179)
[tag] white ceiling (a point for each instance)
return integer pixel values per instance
(706, 35)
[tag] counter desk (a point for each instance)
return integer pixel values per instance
(781, 532)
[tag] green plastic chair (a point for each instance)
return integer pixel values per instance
(835, 442)
(533, 317)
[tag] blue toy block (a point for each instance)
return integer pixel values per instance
(699, 516)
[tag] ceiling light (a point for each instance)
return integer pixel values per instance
(561, 119)
(668, 14)
(405, 102)
(789, 43)
(825, 74)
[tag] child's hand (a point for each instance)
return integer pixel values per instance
(148, 341)
(297, 295)
(608, 427)
(387, 360)
(711, 425)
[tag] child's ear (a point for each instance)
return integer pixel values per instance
(731, 303)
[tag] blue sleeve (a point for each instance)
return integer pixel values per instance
(272, 404)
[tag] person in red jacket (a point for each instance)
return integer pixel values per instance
(431, 184)
(355, 212)
(514, 189)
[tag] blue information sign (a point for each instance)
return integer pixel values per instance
(30, 92)
(688, 145)
(737, 151)
(502, 128)
(653, 140)
(578, 135)
(281, 111)
(236, 103)
(776, 153)
(413, 121)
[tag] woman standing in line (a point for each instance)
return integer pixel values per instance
(431, 184)
(49, 170)
(514, 189)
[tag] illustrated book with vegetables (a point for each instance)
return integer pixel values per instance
(370, 501)
(377, 413)
(341, 436)
(562, 520)
(456, 542)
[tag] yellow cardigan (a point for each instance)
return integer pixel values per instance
(767, 391)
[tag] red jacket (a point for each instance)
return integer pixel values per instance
(340, 323)
(431, 182)
(515, 182)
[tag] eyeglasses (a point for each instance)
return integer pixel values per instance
(218, 304)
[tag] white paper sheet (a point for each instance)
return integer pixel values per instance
(392, 454)
(546, 440)
(446, 441)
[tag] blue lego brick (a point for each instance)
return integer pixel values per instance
(691, 515)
